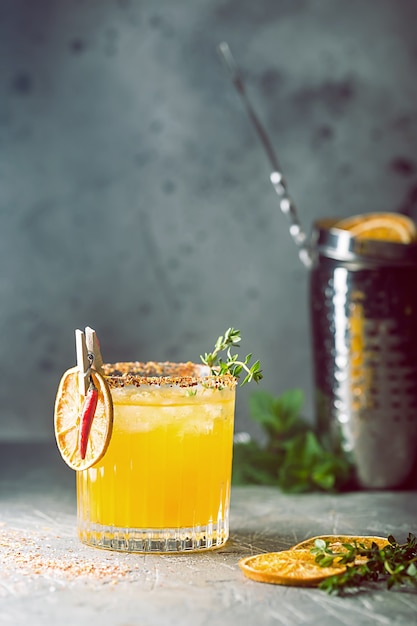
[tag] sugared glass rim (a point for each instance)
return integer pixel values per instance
(165, 373)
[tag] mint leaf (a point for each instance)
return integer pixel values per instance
(293, 456)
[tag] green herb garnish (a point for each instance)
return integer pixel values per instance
(231, 364)
(395, 564)
(292, 457)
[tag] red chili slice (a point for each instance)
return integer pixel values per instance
(87, 416)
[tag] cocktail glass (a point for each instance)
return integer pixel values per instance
(163, 484)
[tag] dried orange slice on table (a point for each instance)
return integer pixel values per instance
(289, 567)
(69, 405)
(383, 226)
(297, 566)
(336, 542)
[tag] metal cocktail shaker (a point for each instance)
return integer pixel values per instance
(363, 299)
(363, 302)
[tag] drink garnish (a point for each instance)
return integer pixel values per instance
(68, 413)
(89, 409)
(83, 416)
(392, 227)
(232, 365)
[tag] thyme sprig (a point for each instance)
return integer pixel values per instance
(395, 564)
(231, 365)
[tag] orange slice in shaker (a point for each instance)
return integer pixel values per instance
(383, 226)
(67, 420)
(296, 568)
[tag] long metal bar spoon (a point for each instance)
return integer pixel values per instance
(276, 177)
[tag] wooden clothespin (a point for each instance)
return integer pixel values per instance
(93, 348)
(88, 354)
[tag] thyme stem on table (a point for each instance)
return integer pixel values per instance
(395, 564)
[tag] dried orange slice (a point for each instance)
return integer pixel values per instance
(296, 568)
(68, 409)
(335, 543)
(383, 226)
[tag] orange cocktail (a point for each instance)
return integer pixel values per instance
(163, 483)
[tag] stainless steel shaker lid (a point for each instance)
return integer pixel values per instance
(340, 245)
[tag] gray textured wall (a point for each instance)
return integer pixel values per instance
(135, 197)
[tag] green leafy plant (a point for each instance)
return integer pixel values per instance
(230, 364)
(292, 457)
(395, 563)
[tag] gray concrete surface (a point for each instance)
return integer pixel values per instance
(135, 197)
(48, 577)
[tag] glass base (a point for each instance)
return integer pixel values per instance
(162, 540)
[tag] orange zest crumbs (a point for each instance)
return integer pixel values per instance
(31, 555)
